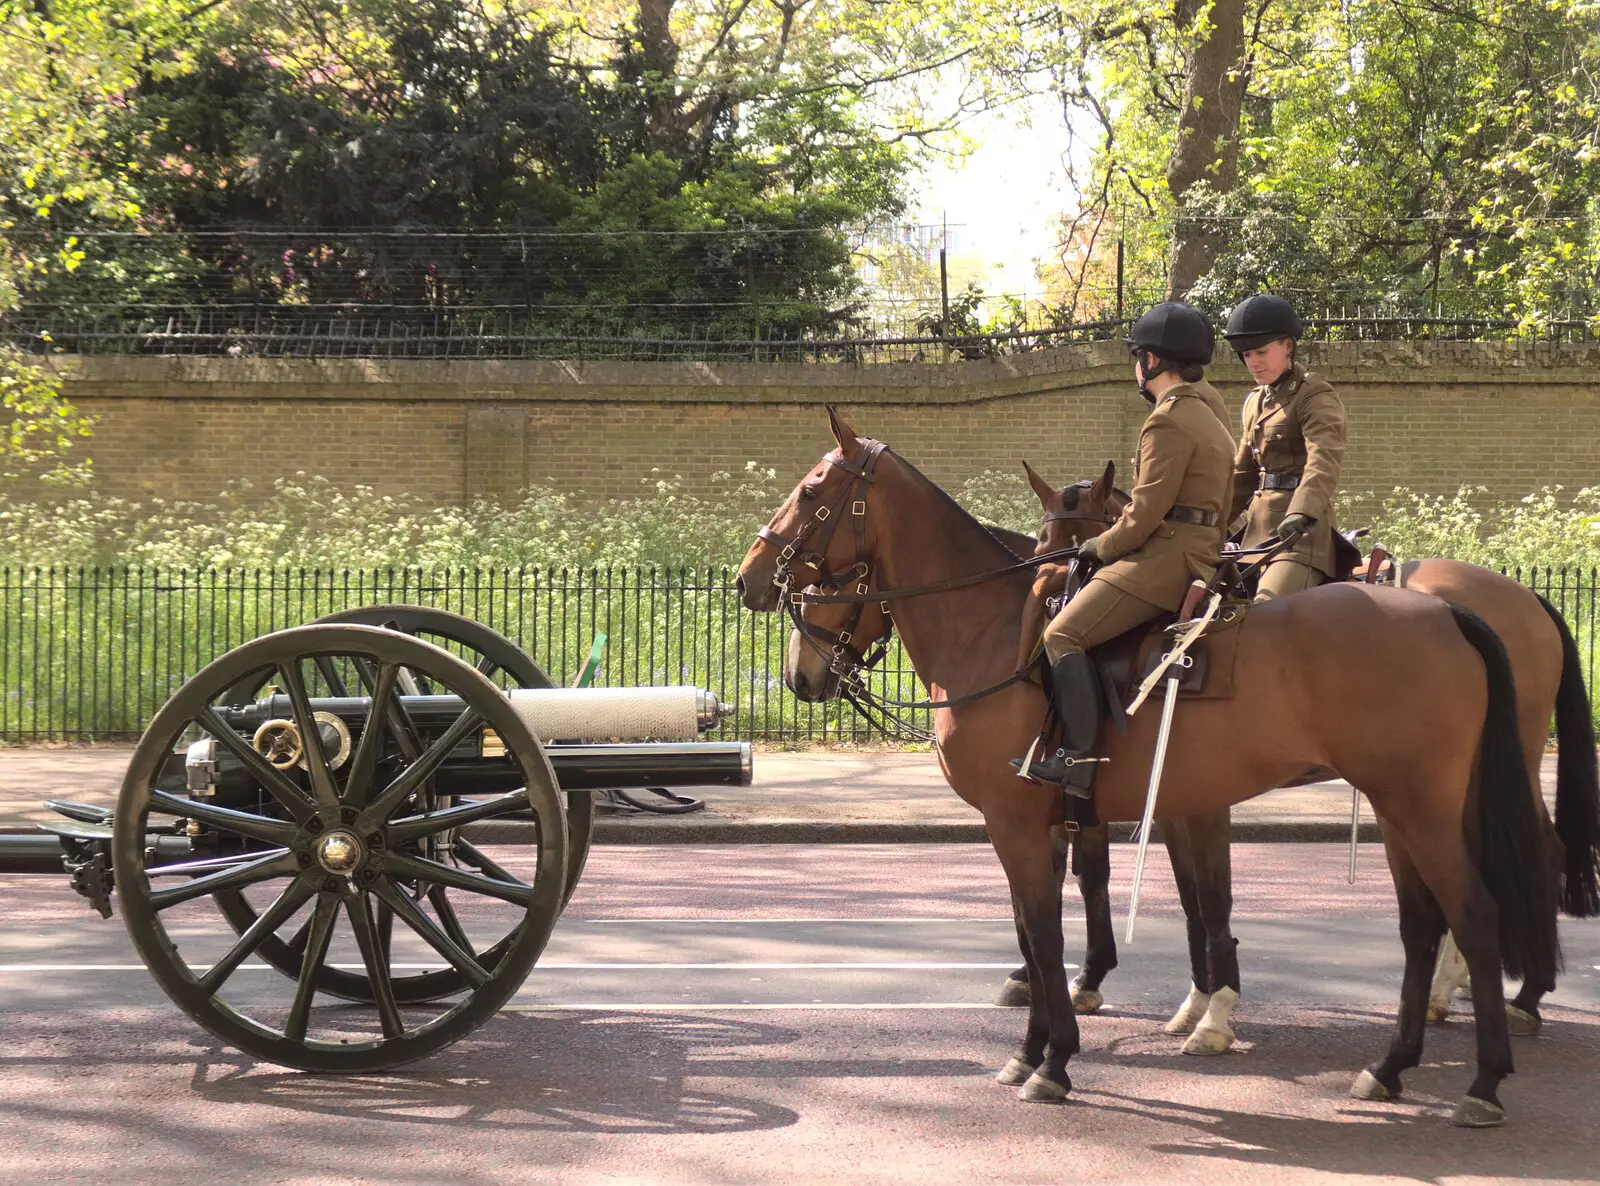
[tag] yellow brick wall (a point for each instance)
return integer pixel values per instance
(1430, 416)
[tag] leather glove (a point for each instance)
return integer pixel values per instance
(1089, 550)
(1294, 526)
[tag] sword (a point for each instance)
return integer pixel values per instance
(1355, 828)
(1170, 702)
(1159, 761)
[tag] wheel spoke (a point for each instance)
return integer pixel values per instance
(317, 938)
(377, 965)
(323, 793)
(257, 827)
(335, 682)
(406, 865)
(414, 775)
(413, 826)
(476, 856)
(457, 951)
(447, 917)
(268, 922)
(290, 797)
(358, 785)
(275, 865)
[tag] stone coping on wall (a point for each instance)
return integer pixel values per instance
(956, 382)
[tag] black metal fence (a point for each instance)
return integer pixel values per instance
(91, 653)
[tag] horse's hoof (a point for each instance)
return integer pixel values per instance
(1207, 1040)
(1521, 1023)
(1014, 1073)
(1014, 994)
(1367, 1087)
(1087, 1000)
(1472, 1112)
(1438, 1011)
(1042, 1090)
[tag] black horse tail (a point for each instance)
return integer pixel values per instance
(1577, 782)
(1511, 851)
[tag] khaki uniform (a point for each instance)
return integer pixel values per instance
(1294, 428)
(1184, 460)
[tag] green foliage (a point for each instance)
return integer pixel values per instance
(309, 522)
(44, 425)
(1539, 531)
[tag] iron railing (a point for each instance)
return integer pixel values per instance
(91, 653)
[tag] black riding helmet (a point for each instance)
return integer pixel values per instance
(1260, 319)
(1176, 332)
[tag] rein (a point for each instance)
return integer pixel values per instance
(845, 660)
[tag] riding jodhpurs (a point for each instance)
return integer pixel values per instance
(1283, 577)
(1098, 613)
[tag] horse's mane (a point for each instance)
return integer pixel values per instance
(995, 535)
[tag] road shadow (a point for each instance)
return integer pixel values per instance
(574, 1071)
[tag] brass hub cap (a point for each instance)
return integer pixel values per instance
(339, 853)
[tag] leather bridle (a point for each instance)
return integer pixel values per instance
(843, 653)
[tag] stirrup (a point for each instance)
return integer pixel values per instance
(1058, 770)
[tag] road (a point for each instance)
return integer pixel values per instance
(793, 1013)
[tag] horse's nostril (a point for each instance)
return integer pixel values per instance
(739, 584)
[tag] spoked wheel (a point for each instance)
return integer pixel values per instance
(504, 663)
(353, 858)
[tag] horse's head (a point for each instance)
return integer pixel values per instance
(819, 536)
(1074, 513)
(830, 640)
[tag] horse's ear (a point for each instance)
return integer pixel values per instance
(1043, 489)
(842, 432)
(1107, 483)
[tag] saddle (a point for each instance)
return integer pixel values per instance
(1127, 660)
(1206, 672)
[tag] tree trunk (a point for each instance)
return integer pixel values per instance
(1207, 144)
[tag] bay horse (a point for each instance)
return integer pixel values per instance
(1437, 754)
(1550, 688)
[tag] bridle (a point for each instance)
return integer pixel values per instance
(845, 658)
(1072, 514)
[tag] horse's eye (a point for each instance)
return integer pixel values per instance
(808, 492)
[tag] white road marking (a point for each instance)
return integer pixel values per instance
(741, 1006)
(559, 965)
(785, 921)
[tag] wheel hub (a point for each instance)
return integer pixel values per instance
(340, 853)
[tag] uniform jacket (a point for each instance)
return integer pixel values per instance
(1293, 426)
(1185, 458)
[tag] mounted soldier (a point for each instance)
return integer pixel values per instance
(1169, 534)
(1290, 452)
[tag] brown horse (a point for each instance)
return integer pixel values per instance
(1549, 683)
(1437, 754)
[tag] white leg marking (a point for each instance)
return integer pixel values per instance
(1449, 976)
(1189, 1013)
(1214, 1035)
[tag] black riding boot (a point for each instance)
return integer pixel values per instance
(1080, 708)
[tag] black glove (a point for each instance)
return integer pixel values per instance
(1089, 549)
(1294, 526)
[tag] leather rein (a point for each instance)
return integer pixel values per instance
(845, 659)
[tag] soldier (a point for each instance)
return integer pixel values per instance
(1168, 535)
(1291, 450)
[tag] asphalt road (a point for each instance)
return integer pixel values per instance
(795, 1013)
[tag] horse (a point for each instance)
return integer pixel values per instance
(1550, 687)
(1438, 755)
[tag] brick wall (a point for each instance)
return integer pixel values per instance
(1511, 417)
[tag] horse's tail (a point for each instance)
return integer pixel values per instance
(1511, 852)
(1577, 782)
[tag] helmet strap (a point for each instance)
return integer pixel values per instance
(1149, 370)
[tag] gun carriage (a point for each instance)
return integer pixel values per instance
(327, 790)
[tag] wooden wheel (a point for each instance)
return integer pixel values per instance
(354, 861)
(502, 661)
